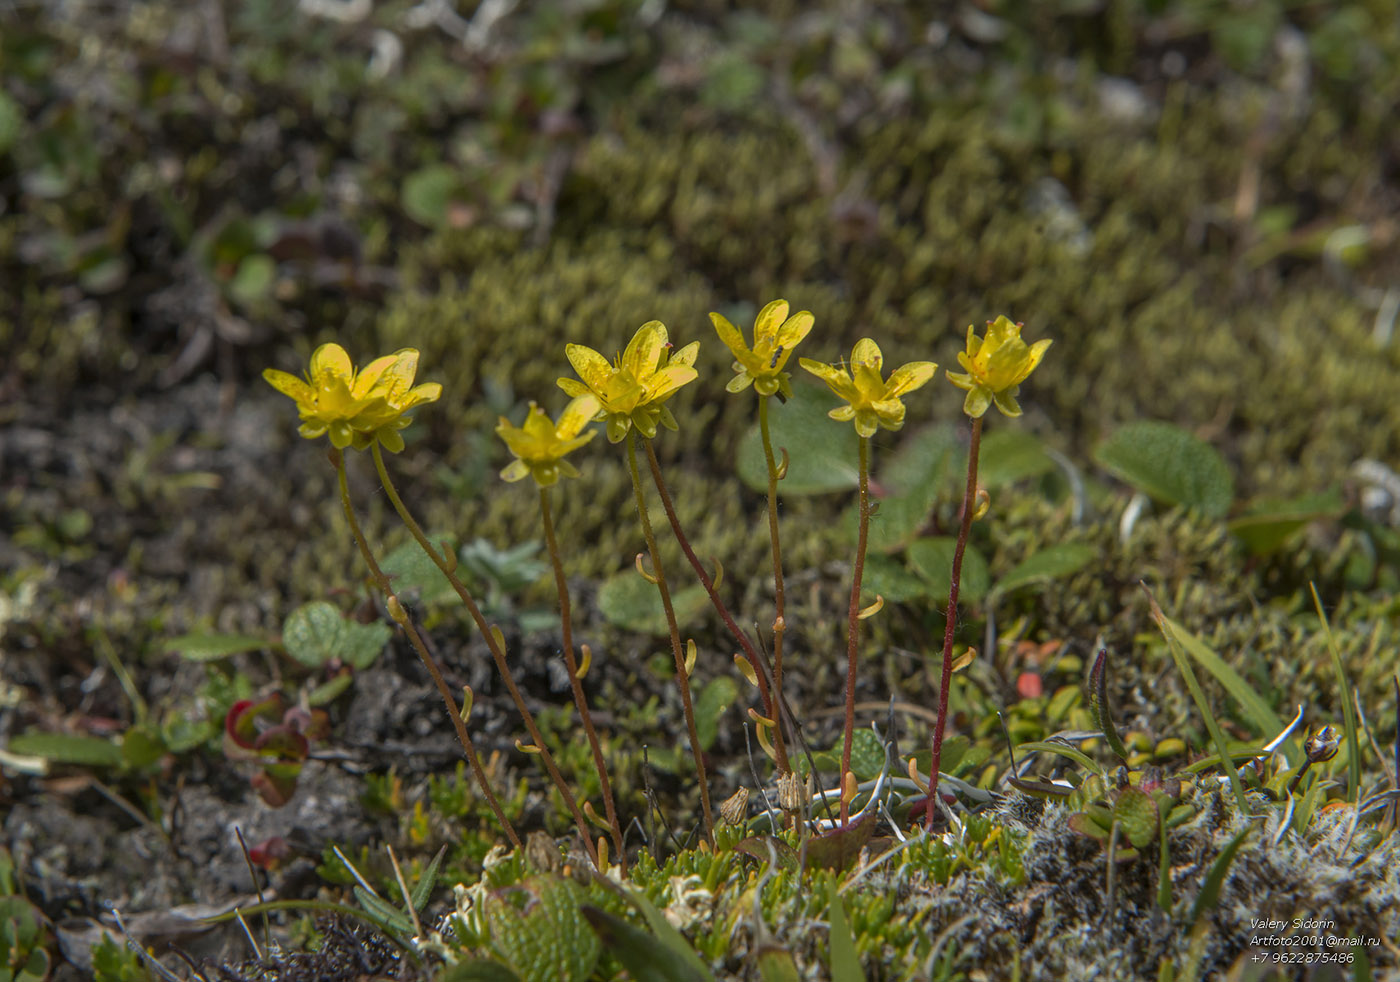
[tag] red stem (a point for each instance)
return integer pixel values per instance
(969, 498)
(853, 624)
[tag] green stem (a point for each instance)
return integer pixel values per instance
(853, 623)
(496, 647)
(771, 705)
(580, 700)
(682, 679)
(951, 623)
(454, 712)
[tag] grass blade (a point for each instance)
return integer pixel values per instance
(1261, 717)
(1174, 646)
(1349, 716)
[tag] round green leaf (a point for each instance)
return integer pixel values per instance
(1008, 456)
(629, 601)
(428, 192)
(1171, 465)
(717, 696)
(888, 577)
(822, 452)
(311, 634)
(932, 558)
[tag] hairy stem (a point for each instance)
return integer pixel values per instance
(969, 503)
(772, 705)
(454, 711)
(496, 647)
(779, 597)
(580, 700)
(853, 623)
(682, 679)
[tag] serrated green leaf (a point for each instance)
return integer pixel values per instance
(717, 696)
(932, 559)
(1052, 562)
(822, 453)
(549, 941)
(68, 748)
(1171, 465)
(629, 601)
(203, 647)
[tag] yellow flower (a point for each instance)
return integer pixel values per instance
(540, 445)
(774, 336)
(355, 408)
(996, 366)
(873, 402)
(633, 389)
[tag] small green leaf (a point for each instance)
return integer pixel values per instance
(717, 696)
(646, 958)
(629, 601)
(254, 279)
(477, 970)
(932, 558)
(1098, 704)
(1008, 456)
(822, 453)
(201, 647)
(838, 849)
(327, 692)
(845, 963)
(867, 755)
(1138, 813)
(1268, 524)
(776, 964)
(68, 748)
(893, 524)
(11, 122)
(428, 194)
(923, 464)
(671, 940)
(141, 747)
(1052, 562)
(316, 633)
(412, 573)
(889, 578)
(1171, 465)
(1210, 889)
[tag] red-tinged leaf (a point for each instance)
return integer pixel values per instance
(838, 849)
(276, 783)
(1029, 685)
(241, 723)
(283, 743)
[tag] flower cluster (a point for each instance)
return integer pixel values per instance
(356, 407)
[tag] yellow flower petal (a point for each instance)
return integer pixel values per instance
(288, 385)
(765, 327)
(644, 350)
(866, 352)
(592, 367)
(907, 378)
(330, 363)
(729, 335)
